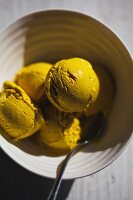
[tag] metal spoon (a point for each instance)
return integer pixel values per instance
(95, 130)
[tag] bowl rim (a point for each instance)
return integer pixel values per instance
(95, 19)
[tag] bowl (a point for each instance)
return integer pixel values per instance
(53, 35)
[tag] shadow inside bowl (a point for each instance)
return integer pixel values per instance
(56, 42)
(31, 146)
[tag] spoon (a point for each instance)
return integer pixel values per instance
(95, 129)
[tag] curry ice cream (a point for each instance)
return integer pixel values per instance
(31, 78)
(72, 85)
(60, 131)
(19, 118)
(62, 90)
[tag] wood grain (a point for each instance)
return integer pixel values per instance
(116, 181)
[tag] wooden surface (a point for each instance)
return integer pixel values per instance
(116, 181)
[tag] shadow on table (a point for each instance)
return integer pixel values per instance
(18, 183)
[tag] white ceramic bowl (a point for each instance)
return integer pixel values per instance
(51, 36)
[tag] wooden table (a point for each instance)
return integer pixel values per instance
(116, 181)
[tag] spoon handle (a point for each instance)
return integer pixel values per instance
(54, 192)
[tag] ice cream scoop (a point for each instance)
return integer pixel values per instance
(31, 79)
(19, 118)
(60, 131)
(106, 92)
(72, 85)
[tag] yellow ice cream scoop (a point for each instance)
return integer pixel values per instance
(31, 79)
(72, 85)
(106, 92)
(54, 136)
(19, 118)
(60, 131)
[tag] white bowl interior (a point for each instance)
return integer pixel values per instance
(54, 35)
